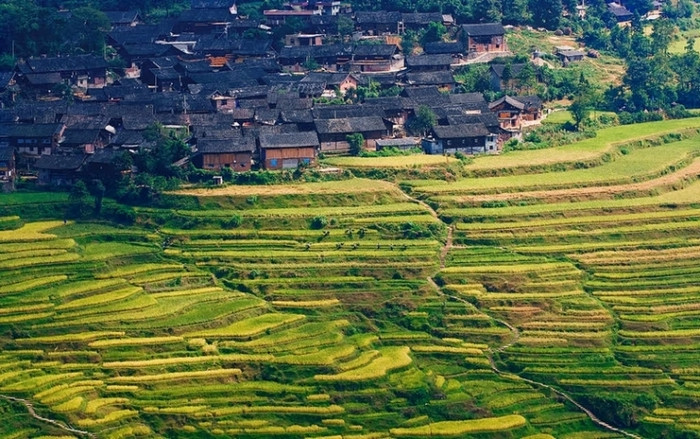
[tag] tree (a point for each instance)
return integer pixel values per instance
(662, 35)
(357, 143)
(507, 75)
(434, 32)
(580, 110)
(515, 11)
(345, 26)
(78, 203)
(546, 13)
(89, 27)
(98, 190)
(423, 121)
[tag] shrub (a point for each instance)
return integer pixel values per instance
(319, 222)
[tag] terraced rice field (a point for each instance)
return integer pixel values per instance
(348, 310)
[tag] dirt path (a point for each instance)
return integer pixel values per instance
(691, 171)
(55, 423)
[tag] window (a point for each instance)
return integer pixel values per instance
(273, 163)
(306, 161)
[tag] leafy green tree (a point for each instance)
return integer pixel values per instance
(345, 26)
(78, 201)
(662, 35)
(515, 11)
(580, 110)
(89, 27)
(98, 191)
(487, 10)
(357, 142)
(423, 120)
(434, 32)
(546, 13)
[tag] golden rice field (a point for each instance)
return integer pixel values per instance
(346, 309)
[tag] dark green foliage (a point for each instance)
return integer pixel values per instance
(434, 32)
(422, 122)
(78, 201)
(357, 142)
(546, 13)
(318, 222)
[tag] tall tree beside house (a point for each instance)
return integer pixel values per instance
(546, 13)
(357, 142)
(423, 121)
(345, 26)
(640, 7)
(507, 75)
(434, 32)
(527, 78)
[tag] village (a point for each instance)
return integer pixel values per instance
(212, 78)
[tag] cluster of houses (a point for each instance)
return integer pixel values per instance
(213, 76)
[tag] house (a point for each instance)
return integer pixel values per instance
(331, 57)
(429, 63)
(84, 71)
(484, 37)
(235, 153)
(443, 80)
(7, 166)
(333, 82)
(474, 138)
(278, 17)
(418, 20)
(454, 49)
(515, 111)
(59, 169)
(569, 55)
(34, 140)
(378, 22)
(374, 58)
(620, 12)
(332, 133)
(203, 21)
(288, 150)
(304, 40)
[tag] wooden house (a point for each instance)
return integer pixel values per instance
(429, 63)
(288, 150)
(443, 80)
(85, 71)
(374, 58)
(378, 22)
(123, 19)
(332, 133)
(496, 75)
(484, 37)
(620, 12)
(34, 140)
(513, 111)
(234, 153)
(59, 169)
(474, 138)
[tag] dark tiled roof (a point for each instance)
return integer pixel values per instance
(350, 125)
(421, 18)
(384, 79)
(223, 146)
(80, 136)
(296, 116)
(329, 78)
(206, 16)
(378, 17)
(460, 131)
(44, 78)
(36, 130)
(429, 78)
(440, 60)
(128, 137)
(60, 162)
(303, 139)
(483, 29)
(104, 156)
(384, 50)
(440, 47)
(66, 63)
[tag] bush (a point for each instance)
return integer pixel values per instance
(119, 213)
(319, 222)
(233, 222)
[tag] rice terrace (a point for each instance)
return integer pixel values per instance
(549, 293)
